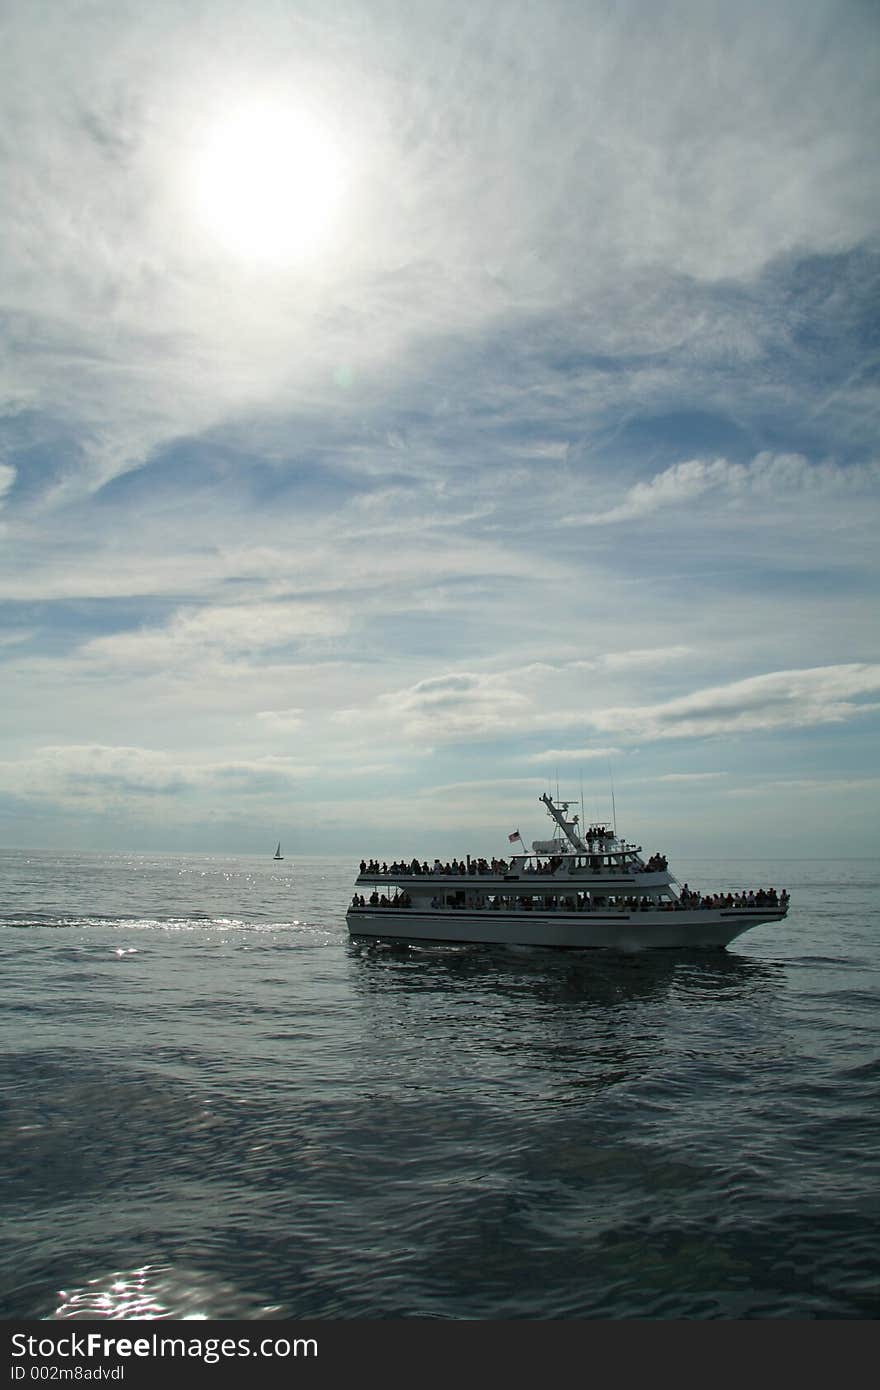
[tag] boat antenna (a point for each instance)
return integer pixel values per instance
(613, 807)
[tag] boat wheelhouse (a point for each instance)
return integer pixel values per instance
(581, 889)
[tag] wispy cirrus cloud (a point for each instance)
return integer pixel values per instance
(572, 755)
(636, 658)
(809, 786)
(688, 776)
(780, 476)
(481, 188)
(216, 629)
(777, 700)
(7, 478)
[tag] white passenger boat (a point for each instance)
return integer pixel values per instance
(583, 888)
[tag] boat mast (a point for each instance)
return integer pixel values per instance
(568, 827)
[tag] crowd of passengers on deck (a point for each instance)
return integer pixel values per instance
(449, 870)
(474, 867)
(656, 864)
(584, 902)
(763, 897)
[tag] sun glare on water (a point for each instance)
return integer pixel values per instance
(268, 185)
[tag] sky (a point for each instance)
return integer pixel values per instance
(410, 408)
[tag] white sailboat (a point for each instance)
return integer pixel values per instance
(278, 854)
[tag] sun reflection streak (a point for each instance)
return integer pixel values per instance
(158, 1291)
(120, 1296)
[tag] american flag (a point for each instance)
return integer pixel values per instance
(514, 836)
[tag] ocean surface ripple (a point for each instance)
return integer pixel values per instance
(215, 1105)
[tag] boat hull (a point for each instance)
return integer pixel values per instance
(634, 931)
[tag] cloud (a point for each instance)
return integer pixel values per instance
(256, 776)
(572, 411)
(809, 786)
(7, 479)
(454, 790)
(688, 777)
(99, 775)
(768, 476)
(12, 639)
(458, 705)
(484, 187)
(637, 658)
(778, 700)
(281, 720)
(466, 707)
(571, 755)
(218, 631)
(91, 772)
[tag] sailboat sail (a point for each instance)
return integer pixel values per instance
(278, 854)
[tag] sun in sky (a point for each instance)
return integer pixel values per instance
(268, 184)
(407, 407)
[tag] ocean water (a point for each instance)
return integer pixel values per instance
(215, 1105)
